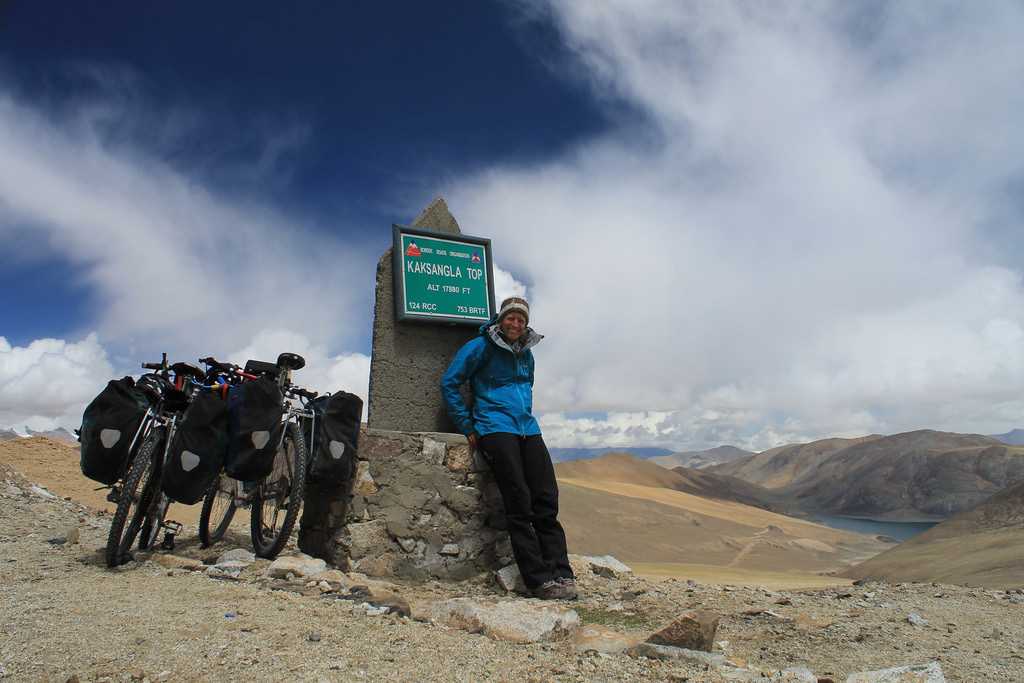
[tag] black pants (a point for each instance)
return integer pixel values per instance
(526, 478)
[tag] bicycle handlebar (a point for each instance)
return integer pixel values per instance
(229, 368)
(152, 366)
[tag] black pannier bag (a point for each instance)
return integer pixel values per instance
(110, 425)
(197, 450)
(336, 438)
(254, 428)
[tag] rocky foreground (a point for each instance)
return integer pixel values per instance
(220, 614)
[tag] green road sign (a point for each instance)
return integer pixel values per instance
(442, 278)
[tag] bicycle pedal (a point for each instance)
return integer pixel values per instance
(114, 495)
(171, 527)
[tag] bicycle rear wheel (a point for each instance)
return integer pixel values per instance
(275, 506)
(137, 496)
(218, 510)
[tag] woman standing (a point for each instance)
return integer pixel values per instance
(498, 364)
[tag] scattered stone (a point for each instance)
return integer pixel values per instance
(917, 673)
(510, 579)
(407, 544)
(783, 601)
(1016, 598)
(518, 621)
(597, 638)
(236, 555)
(668, 652)
(178, 562)
(298, 565)
(164, 675)
(449, 549)
(313, 637)
(916, 619)
(691, 631)
(808, 622)
(41, 492)
(843, 596)
(13, 490)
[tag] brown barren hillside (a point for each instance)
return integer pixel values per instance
(622, 467)
(915, 475)
(779, 467)
(55, 466)
(981, 547)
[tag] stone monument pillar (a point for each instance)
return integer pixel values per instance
(421, 504)
(408, 359)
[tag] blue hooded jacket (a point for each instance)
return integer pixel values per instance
(502, 382)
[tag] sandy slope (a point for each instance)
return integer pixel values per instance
(55, 466)
(656, 525)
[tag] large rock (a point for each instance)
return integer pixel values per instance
(597, 638)
(607, 566)
(519, 621)
(236, 555)
(298, 565)
(511, 579)
(691, 631)
(915, 673)
(367, 538)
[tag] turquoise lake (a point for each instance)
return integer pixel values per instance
(901, 531)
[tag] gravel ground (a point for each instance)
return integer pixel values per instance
(64, 614)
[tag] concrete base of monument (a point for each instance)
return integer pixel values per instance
(420, 506)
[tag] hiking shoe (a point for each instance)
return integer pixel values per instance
(569, 585)
(553, 590)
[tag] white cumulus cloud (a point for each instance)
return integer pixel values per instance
(47, 383)
(806, 228)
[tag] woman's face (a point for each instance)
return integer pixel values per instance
(513, 325)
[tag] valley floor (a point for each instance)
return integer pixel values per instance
(63, 614)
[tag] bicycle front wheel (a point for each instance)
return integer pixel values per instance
(218, 510)
(275, 506)
(137, 496)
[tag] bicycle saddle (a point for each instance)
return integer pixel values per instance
(188, 370)
(291, 361)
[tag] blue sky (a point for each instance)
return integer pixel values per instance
(737, 223)
(348, 116)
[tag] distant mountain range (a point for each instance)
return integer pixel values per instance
(700, 459)
(916, 475)
(59, 434)
(1014, 437)
(569, 454)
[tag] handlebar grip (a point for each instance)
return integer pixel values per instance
(304, 393)
(152, 366)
